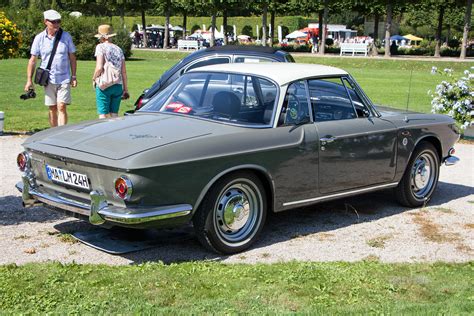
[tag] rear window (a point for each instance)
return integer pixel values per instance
(233, 98)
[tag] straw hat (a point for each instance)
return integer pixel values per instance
(104, 31)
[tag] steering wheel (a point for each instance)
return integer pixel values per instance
(293, 108)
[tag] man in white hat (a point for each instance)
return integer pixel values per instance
(63, 68)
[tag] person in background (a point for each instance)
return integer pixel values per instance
(314, 41)
(108, 100)
(62, 76)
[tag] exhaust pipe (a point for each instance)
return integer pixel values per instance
(31, 203)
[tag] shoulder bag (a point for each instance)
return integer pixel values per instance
(110, 75)
(42, 75)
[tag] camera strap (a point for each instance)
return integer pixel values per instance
(55, 46)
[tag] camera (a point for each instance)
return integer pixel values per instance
(28, 95)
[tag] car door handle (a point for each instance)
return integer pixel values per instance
(240, 90)
(329, 139)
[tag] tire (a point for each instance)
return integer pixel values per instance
(420, 178)
(232, 214)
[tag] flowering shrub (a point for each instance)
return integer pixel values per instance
(454, 96)
(10, 38)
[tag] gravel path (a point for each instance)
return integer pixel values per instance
(371, 226)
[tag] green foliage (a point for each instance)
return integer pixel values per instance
(82, 30)
(10, 38)
(366, 287)
(453, 96)
(295, 48)
(124, 41)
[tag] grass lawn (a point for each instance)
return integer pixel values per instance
(385, 81)
(209, 287)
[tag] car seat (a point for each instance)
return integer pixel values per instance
(226, 104)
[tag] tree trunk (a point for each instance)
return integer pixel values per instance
(224, 23)
(213, 29)
(272, 23)
(376, 25)
(145, 41)
(438, 32)
(388, 26)
(322, 47)
(122, 18)
(264, 24)
(467, 27)
(167, 28)
(185, 21)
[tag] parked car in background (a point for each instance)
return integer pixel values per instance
(224, 145)
(211, 56)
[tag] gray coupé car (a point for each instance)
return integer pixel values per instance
(225, 145)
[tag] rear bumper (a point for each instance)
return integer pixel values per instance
(100, 212)
(451, 160)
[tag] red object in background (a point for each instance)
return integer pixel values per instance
(178, 107)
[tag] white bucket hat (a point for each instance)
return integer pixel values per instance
(51, 15)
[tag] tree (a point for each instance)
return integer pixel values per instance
(467, 27)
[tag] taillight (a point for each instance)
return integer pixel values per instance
(123, 188)
(22, 161)
(139, 103)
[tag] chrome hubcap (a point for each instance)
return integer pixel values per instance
(423, 175)
(238, 212)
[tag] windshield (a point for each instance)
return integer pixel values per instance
(239, 99)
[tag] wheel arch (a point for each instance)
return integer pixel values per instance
(433, 140)
(263, 175)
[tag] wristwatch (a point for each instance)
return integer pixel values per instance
(73, 77)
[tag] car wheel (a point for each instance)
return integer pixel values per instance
(420, 178)
(232, 214)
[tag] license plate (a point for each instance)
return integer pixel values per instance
(67, 177)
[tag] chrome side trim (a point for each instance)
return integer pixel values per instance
(327, 197)
(99, 211)
(451, 160)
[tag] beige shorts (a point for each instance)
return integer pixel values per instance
(57, 93)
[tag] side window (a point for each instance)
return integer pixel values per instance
(329, 100)
(359, 106)
(295, 107)
(252, 59)
(207, 62)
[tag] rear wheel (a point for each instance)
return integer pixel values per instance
(232, 214)
(420, 178)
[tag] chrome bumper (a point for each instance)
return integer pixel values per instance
(99, 211)
(451, 160)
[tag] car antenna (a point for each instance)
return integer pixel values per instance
(409, 87)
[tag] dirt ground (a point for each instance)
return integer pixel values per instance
(371, 226)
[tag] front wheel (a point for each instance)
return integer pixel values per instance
(232, 214)
(420, 178)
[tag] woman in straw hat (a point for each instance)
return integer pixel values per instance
(108, 99)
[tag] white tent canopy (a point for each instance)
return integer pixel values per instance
(296, 34)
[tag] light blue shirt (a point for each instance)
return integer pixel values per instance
(60, 68)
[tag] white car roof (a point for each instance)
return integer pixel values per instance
(282, 73)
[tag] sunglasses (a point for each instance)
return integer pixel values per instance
(54, 21)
